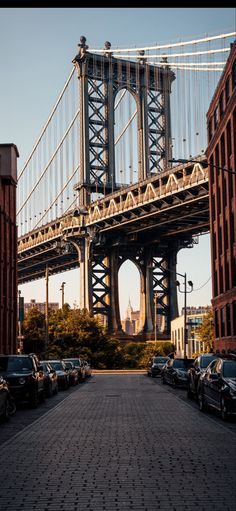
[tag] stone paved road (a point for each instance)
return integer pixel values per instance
(120, 442)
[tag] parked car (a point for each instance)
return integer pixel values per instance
(175, 370)
(50, 378)
(199, 365)
(79, 366)
(24, 377)
(87, 368)
(7, 402)
(217, 386)
(73, 372)
(155, 366)
(63, 378)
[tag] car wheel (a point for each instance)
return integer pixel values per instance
(149, 374)
(163, 380)
(201, 402)
(34, 399)
(56, 389)
(173, 383)
(49, 391)
(11, 407)
(223, 409)
(153, 375)
(189, 392)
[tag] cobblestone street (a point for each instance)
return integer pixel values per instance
(120, 441)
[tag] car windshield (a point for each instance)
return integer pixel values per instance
(68, 365)
(58, 366)
(75, 361)
(205, 361)
(159, 360)
(180, 364)
(229, 369)
(15, 364)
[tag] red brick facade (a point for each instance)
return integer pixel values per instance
(221, 152)
(8, 249)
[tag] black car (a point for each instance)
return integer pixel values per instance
(63, 378)
(79, 366)
(50, 378)
(199, 365)
(217, 386)
(155, 366)
(24, 376)
(73, 372)
(175, 370)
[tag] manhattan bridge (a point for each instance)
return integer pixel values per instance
(101, 185)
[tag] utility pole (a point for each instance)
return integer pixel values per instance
(62, 293)
(46, 309)
(185, 306)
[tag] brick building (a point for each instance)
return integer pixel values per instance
(221, 152)
(8, 248)
(41, 306)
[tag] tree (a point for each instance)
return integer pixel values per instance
(205, 331)
(33, 329)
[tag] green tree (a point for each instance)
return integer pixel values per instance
(205, 331)
(33, 329)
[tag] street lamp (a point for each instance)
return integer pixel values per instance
(185, 304)
(62, 293)
(155, 314)
(46, 306)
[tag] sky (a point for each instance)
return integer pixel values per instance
(37, 46)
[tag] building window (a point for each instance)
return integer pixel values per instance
(222, 323)
(234, 317)
(221, 104)
(227, 93)
(216, 323)
(216, 117)
(234, 74)
(228, 322)
(227, 276)
(215, 284)
(210, 129)
(222, 150)
(228, 132)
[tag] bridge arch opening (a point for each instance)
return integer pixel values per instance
(126, 137)
(129, 280)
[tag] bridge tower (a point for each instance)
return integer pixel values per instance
(100, 78)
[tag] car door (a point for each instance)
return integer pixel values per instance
(169, 370)
(210, 382)
(215, 383)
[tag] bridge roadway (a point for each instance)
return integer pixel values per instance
(170, 206)
(118, 442)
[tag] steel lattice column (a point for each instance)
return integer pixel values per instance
(164, 277)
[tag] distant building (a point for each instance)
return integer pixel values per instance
(131, 322)
(221, 152)
(8, 248)
(54, 306)
(194, 343)
(197, 310)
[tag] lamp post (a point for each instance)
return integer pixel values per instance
(62, 293)
(185, 305)
(46, 307)
(155, 314)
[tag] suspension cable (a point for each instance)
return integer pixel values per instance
(172, 45)
(47, 123)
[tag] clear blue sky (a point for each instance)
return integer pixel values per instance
(36, 49)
